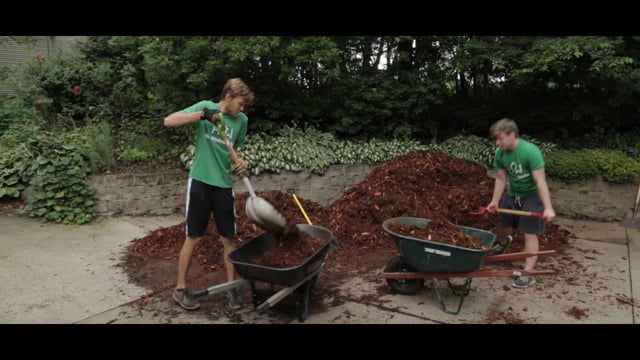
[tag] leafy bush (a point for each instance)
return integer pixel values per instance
(15, 169)
(14, 112)
(577, 165)
(95, 143)
(136, 148)
(570, 166)
(61, 191)
(474, 148)
(627, 142)
(64, 84)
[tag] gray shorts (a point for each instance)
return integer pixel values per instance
(524, 224)
(203, 200)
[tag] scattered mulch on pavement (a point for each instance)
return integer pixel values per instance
(577, 313)
(506, 316)
(427, 185)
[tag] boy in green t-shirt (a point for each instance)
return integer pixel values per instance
(520, 163)
(210, 186)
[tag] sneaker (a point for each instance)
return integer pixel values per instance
(185, 299)
(524, 281)
(235, 302)
(501, 248)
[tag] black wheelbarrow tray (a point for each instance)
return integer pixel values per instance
(424, 259)
(301, 278)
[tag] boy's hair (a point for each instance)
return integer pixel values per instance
(237, 87)
(503, 126)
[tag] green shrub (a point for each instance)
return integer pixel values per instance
(137, 148)
(61, 191)
(627, 142)
(474, 148)
(578, 165)
(95, 143)
(14, 112)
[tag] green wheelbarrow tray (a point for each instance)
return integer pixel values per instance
(431, 256)
(424, 259)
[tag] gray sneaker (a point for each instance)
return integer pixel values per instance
(524, 281)
(235, 302)
(185, 299)
(501, 248)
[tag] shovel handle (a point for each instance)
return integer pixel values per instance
(245, 179)
(295, 198)
(249, 187)
(234, 158)
(520, 212)
(635, 209)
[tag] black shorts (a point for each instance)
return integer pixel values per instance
(524, 224)
(202, 200)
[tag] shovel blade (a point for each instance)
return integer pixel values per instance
(631, 221)
(265, 215)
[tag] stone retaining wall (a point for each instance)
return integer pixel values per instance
(165, 193)
(592, 199)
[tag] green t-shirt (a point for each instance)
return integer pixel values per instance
(212, 164)
(519, 164)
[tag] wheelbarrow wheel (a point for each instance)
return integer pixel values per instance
(402, 286)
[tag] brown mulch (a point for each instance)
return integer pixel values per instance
(429, 185)
(440, 231)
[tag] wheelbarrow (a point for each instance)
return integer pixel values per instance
(424, 259)
(296, 282)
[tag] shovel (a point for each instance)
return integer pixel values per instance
(258, 210)
(631, 219)
(295, 198)
(261, 212)
(508, 211)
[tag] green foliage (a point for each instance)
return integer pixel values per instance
(577, 165)
(483, 150)
(313, 151)
(293, 150)
(63, 195)
(61, 191)
(569, 166)
(133, 155)
(14, 112)
(17, 161)
(95, 143)
(64, 84)
(474, 148)
(376, 151)
(53, 163)
(16, 168)
(139, 141)
(627, 142)
(546, 148)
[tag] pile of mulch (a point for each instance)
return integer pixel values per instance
(428, 185)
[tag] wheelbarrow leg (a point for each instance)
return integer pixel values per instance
(254, 294)
(303, 302)
(461, 295)
(303, 298)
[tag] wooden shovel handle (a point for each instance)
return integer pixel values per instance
(520, 212)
